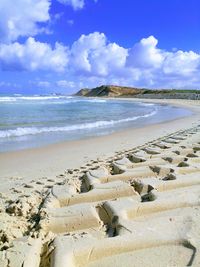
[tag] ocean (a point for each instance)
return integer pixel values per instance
(33, 121)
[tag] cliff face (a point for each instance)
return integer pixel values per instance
(122, 91)
(83, 92)
(110, 91)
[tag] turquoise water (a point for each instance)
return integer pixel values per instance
(32, 121)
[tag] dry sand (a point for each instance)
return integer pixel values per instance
(128, 199)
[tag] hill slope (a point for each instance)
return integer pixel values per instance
(122, 91)
(109, 90)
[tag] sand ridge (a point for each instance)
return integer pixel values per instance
(137, 206)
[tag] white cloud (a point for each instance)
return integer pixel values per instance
(181, 63)
(92, 54)
(160, 68)
(93, 60)
(45, 84)
(76, 4)
(21, 18)
(145, 54)
(65, 84)
(32, 56)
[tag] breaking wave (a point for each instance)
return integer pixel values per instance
(20, 131)
(52, 99)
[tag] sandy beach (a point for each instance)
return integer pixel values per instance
(132, 196)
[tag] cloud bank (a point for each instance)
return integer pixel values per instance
(94, 56)
(92, 59)
(33, 55)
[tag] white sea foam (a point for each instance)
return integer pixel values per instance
(7, 99)
(61, 99)
(28, 98)
(94, 100)
(144, 104)
(20, 131)
(148, 104)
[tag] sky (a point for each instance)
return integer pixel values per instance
(61, 46)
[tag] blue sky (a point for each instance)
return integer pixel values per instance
(63, 45)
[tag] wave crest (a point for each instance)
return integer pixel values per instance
(53, 99)
(20, 131)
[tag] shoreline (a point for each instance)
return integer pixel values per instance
(53, 159)
(137, 202)
(32, 136)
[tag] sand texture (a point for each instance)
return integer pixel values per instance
(137, 208)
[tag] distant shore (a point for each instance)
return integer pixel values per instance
(134, 92)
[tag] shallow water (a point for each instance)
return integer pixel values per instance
(32, 121)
